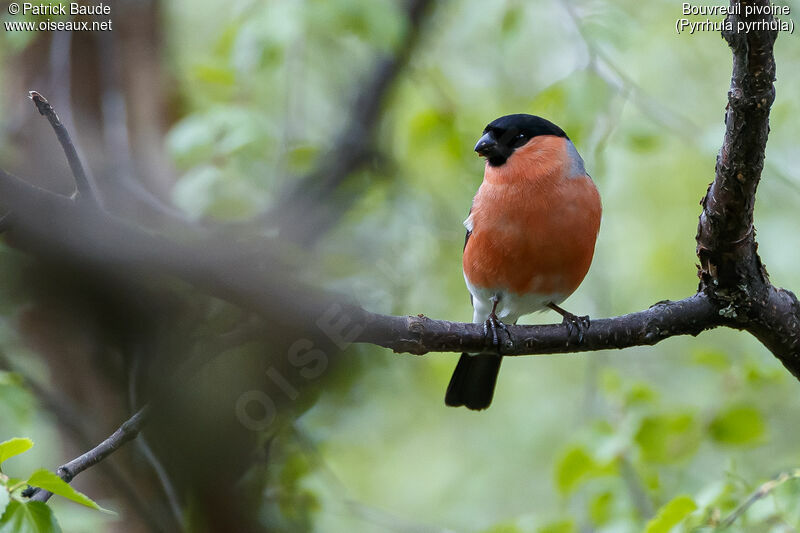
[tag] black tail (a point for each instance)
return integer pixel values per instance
(472, 384)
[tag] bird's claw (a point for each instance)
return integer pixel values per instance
(493, 323)
(577, 324)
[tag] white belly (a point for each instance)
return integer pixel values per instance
(510, 305)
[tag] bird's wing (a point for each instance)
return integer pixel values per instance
(468, 225)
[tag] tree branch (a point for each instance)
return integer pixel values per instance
(126, 432)
(731, 271)
(307, 206)
(82, 185)
(419, 335)
(726, 238)
(72, 420)
(126, 248)
(758, 494)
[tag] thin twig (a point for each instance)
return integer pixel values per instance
(636, 488)
(758, 494)
(125, 433)
(5, 222)
(307, 206)
(69, 416)
(130, 430)
(683, 126)
(83, 187)
(148, 453)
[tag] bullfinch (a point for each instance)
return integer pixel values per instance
(530, 239)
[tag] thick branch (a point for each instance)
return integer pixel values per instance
(725, 236)
(419, 334)
(128, 431)
(731, 272)
(127, 249)
(776, 323)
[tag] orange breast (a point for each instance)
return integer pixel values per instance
(533, 226)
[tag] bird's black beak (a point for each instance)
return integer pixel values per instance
(487, 145)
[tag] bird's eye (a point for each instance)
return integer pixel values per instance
(519, 140)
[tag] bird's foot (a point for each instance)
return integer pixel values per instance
(575, 324)
(493, 324)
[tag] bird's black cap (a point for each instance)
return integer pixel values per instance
(503, 135)
(530, 125)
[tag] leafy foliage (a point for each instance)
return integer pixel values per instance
(17, 513)
(13, 447)
(738, 425)
(671, 514)
(44, 479)
(28, 517)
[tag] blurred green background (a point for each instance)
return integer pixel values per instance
(606, 441)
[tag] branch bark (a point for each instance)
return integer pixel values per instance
(731, 271)
(82, 185)
(126, 432)
(419, 335)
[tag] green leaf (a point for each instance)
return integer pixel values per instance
(10, 379)
(512, 19)
(574, 467)
(758, 377)
(671, 514)
(562, 526)
(215, 74)
(639, 394)
(295, 468)
(713, 359)
(29, 517)
(503, 528)
(739, 425)
(44, 479)
(13, 447)
(668, 437)
(300, 159)
(643, 141)
(611, 382)
(600, 508)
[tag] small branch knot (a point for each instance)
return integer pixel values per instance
(65, 474)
